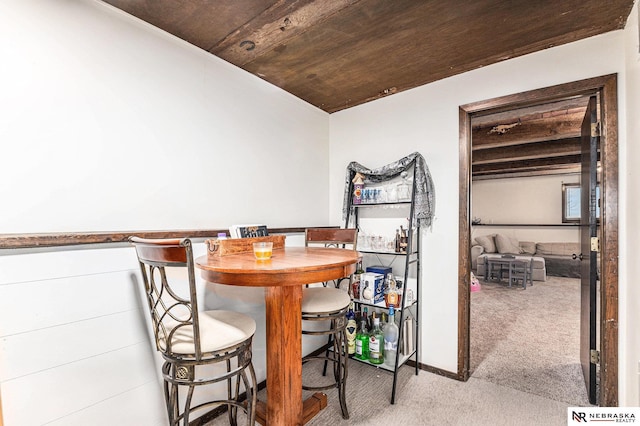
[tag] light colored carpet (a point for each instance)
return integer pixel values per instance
(524, 364)
(429, 399)
(529, 339)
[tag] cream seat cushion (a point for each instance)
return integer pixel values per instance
(324, 299)
(218, 330)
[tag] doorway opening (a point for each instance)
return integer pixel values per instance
(605, 88)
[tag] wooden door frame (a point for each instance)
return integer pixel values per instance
(607, 87)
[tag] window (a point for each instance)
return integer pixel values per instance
(571, 202)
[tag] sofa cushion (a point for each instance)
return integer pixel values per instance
(528, 247)
(507, 245)
(557, 249)
(487, 242)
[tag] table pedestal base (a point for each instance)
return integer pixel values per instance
(310, 407)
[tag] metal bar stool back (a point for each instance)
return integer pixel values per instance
(188, 338)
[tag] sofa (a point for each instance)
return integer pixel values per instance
(559, 258)
(554, 259)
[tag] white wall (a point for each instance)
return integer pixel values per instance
(95, 101)
(108, 123)
(629, 223)
(522, 200)
(425, 119)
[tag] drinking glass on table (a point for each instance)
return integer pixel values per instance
(263, 250)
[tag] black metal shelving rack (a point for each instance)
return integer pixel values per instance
(412, 259)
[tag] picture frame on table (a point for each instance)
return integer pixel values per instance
(248, 231)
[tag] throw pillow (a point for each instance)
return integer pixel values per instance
(487, 242)
(528, 247)
(507, 245)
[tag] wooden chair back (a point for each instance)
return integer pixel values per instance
(332, 237)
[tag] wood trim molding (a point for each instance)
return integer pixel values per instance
(606, 87)
(609, 235)
(22, 241)
(464, 246)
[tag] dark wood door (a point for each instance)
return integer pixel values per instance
(588, 256)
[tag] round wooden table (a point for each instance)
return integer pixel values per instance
(283, 277)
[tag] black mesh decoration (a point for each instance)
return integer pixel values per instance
(425, 196)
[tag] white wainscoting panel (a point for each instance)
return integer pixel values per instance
(52, 394)
(142, 406)
(64, 263)
(74, 340)
(35, 305)
(32, 352)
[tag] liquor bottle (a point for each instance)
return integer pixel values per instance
(391, 333)
(365, 317)
(376, 342)
(403, 240)
(362, 341)
(391, 291)
(351, 330)
(355, 283)
(397, 242)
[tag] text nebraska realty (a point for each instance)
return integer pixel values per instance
(611, 417)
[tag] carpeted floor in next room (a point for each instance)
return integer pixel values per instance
(524, 368)
(529, 339)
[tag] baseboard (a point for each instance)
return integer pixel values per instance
(435, 370)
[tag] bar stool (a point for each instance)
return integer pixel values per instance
(188, 339)
(329, 305)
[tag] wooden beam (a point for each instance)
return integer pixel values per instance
(526, 165)
(530, 173)
(559, 148)
(539, 130)
(565, 106)
(274, 27)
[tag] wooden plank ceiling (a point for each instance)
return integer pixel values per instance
(538, 140)
(336, 54)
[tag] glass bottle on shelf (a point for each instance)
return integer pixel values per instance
(358, 185)
(367, 292)
(365, 312)
(404, 241)
(362, 340)
(376, 342)
(391, 333)
(390, 291)
(400, 290)
(351, 330)
(392, 193)
(355, 282)
(403, 188)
